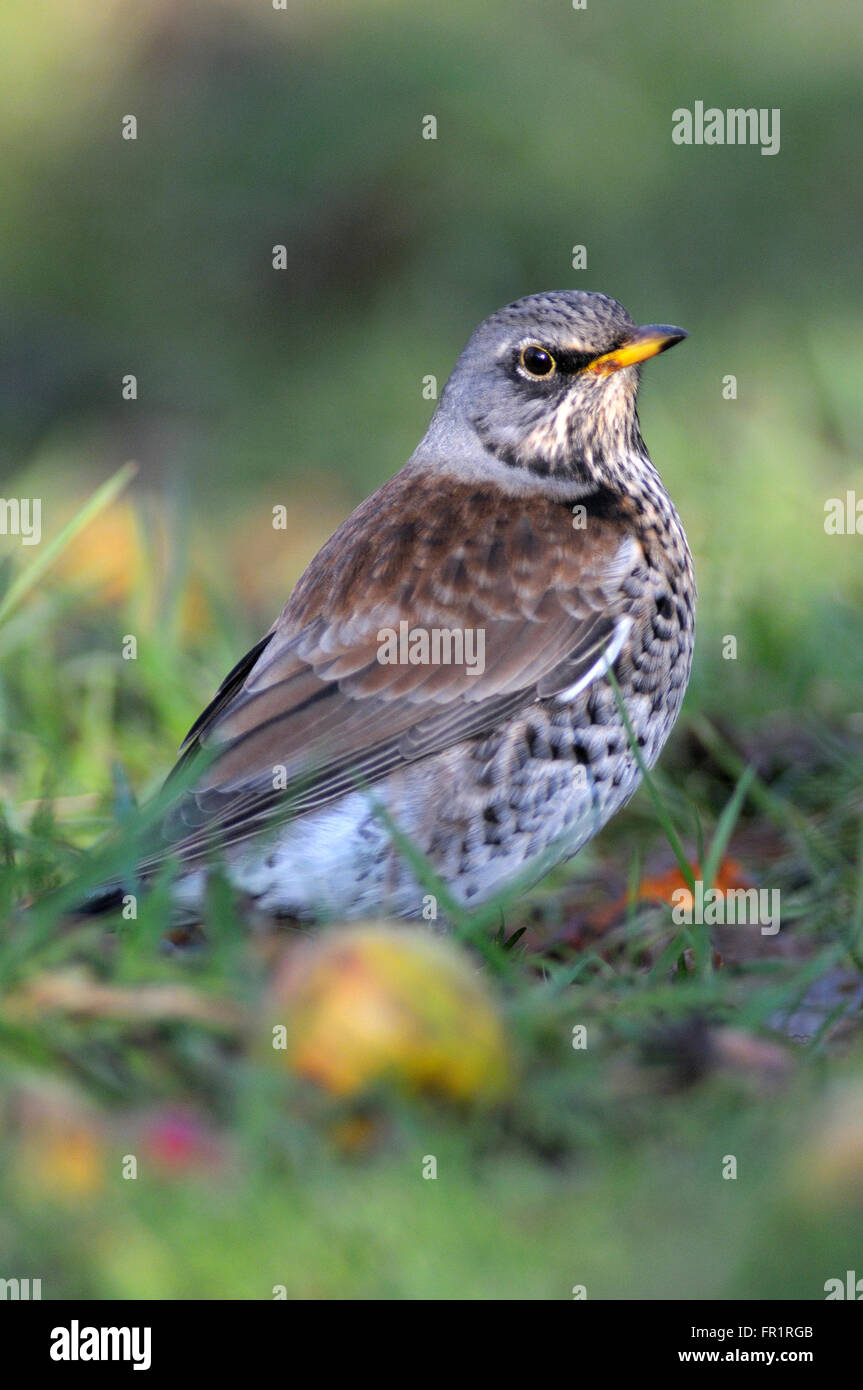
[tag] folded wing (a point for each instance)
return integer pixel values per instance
(314, 712)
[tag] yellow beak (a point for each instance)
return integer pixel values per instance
(641, 344)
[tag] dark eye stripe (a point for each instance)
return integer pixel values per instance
(575, 361)
(571, 362)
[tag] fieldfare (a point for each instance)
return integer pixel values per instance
(440, 677)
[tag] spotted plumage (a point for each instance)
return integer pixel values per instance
(530, 514)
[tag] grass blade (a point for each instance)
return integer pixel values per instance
(24, 582)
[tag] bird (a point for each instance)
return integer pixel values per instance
(469, 678)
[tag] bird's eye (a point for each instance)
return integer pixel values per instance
(536, 361)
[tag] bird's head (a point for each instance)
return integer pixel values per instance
(548, 386)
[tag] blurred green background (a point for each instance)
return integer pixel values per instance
(302, 127)
(303, 387)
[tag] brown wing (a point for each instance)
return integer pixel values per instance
(313, 698)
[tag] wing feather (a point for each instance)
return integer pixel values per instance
(313, 697)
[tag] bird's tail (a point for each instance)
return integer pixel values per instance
(106, 898)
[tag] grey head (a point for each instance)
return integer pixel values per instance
(548, 386)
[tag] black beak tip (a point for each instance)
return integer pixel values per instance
(673, 335)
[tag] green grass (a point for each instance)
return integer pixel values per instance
(602, 1167)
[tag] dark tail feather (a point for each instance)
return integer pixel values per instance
(106, 898)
